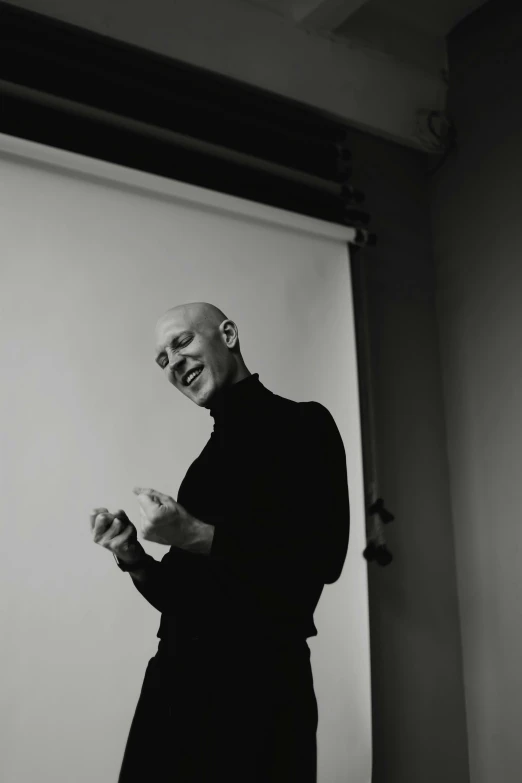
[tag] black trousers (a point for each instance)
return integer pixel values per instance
(245, 711)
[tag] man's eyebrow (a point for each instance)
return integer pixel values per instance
(173, 343)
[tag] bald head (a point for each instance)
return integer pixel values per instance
(197, 314)
(198, 347)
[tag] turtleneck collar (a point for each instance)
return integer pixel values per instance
(234, 399)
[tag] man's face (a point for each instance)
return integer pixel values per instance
(193, 355)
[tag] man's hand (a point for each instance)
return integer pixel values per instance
(116, 533)
(165, 521)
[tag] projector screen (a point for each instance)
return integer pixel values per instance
(92, 254)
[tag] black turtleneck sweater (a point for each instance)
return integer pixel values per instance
(272, 480)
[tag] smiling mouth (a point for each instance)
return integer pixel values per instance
(191, 376)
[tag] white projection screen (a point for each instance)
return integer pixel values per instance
(91, 255)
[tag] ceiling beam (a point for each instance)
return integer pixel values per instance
(324, 15)
(366, 88)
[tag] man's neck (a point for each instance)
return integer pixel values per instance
(233, 395)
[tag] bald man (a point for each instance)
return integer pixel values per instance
(259, 526)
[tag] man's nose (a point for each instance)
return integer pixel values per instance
(175, 360)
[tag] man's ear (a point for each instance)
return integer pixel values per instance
(230, 333)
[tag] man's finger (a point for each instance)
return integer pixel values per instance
(101, 525)
(94, 514)
(165, 499)
(120, 514)
(124, 540)
(147, 497)
(154, 494)
(144, 491)
(149, 504)
(116, 527)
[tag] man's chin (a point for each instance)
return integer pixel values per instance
(202, 397)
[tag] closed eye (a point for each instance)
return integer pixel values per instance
(175, 346)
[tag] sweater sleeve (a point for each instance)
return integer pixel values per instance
(331, 505)
(152, 587)
(166, 581)
(297, 527)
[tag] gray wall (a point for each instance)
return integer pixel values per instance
(419, 720)
(478, 235)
